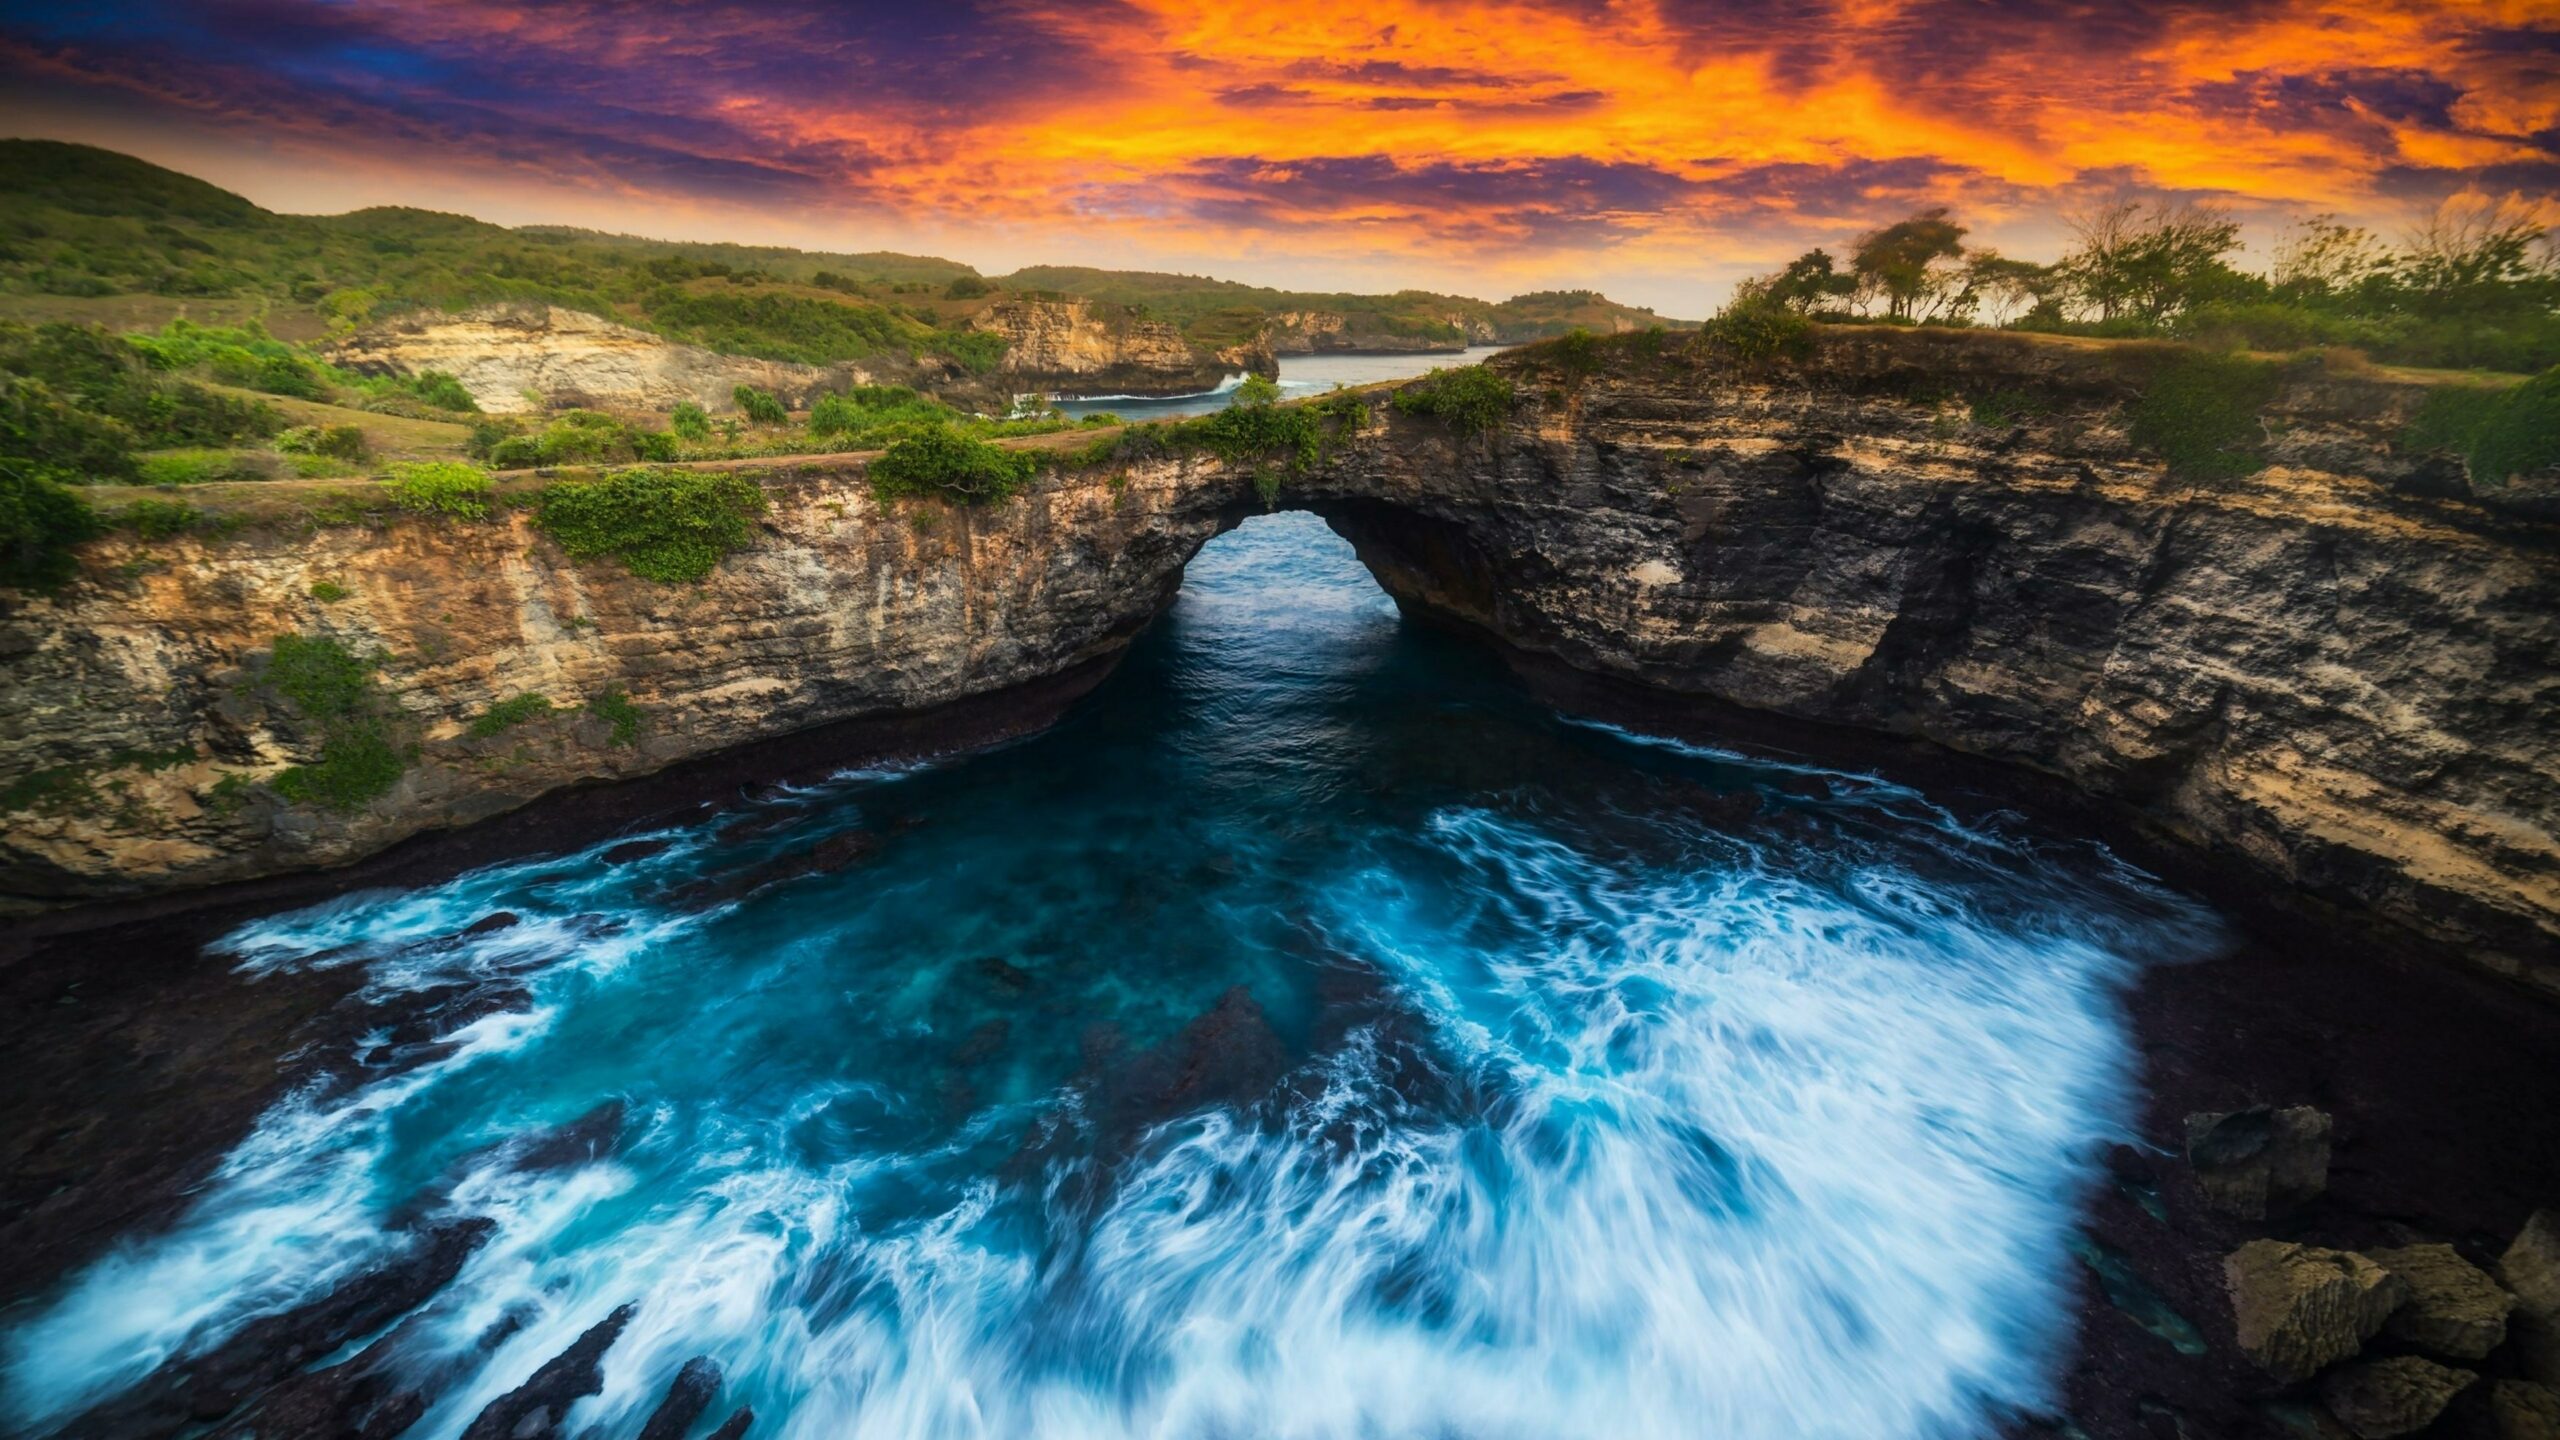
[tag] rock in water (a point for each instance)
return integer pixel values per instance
(2298, 1309)
(686, 1399)
(2400, 1396)
(2261, 1161)
(2531, 1269)
(534, 1410)
(736, 1425)
(2522, 1410)
(2454, 1308)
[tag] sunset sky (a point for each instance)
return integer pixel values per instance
(1656, 149)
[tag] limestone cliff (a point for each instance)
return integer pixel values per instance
(1078, 347)
(517, 358)
(1329, 332)
(2328, 671)
(2332, 672)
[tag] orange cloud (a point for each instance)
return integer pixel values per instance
(1447, 135)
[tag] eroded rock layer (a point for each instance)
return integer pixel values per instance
(2337, 671)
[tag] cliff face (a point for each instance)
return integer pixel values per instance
(2327, 671)
(1329, 332)
(2321, 671)
(518, 358)
(1073, 347)
(840, 610)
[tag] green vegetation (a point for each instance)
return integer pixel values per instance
(152, 519)
(41, 521)
(613, 706)
(76, 402)
(940, 461)
(870, 409)
(336, 690)
(1217, 313)
(2523, 436)
(328, 592)
(2499, 432)
(509, 713)
(1255, 428)
(73, 789)
(1472, 400)
(575, 437)
(441, 487)
(202, 466)
(760, 406)
(2475, 286)
(689, 422)
(2199, 411)
(671, 526)
(2000, 409)
(1755, 331)
(340, 442)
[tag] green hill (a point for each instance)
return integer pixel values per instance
(95, 235)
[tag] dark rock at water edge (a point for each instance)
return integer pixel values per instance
(2383, 1399)
(534, 1410)
(193, 1389)
(2261, 1161)
(688, 1395)
(2454, 1309)
(2298, 1309)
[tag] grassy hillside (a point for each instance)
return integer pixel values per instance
(96, 236)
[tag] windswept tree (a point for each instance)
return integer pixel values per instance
(2002, 291)
(2148, 262)
(1913, 265)
(2478, 256)
(2323, 258)
(1811, 282)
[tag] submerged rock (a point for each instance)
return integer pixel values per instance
(736, 1425)
(534, 1409)
(687, 1397)
(209, 1386)
(2261, 1161)
(2298, 1309)
(591, 1136)
(2454, 1308)
(2380, 1399)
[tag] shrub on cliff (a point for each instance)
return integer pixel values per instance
(2199, 412)
(690, 422)
(666, 525)
(441, 487)
(940, 461)
(2500, 433)
(1472, 401)
(1256, 426)
(40, 523)
(759, 405)
(1755, 330)
(335, 689)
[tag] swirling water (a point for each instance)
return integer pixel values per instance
(1609, 1086)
